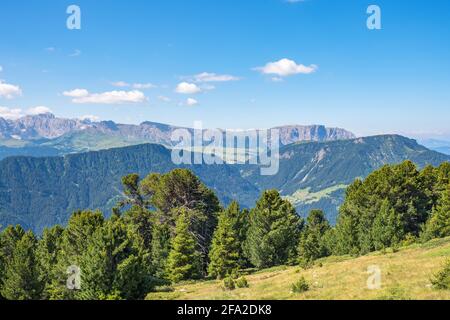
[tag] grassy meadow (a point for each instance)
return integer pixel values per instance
(405, 275)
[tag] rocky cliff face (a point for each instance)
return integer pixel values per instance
(317, 133)
(47, 126)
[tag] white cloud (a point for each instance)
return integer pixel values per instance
(9, 91)
(191, 102)
(140, 86)
(286, 67)
(82, 96)
(187, 88)
(10, 113)
(38, 110)
(16, 113)
(1, 68)
(164, 98)
(90, 117)
(76, 93)
(213, 77)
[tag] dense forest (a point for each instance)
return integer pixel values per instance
(171, 228)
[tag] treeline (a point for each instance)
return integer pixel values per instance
(171, 228)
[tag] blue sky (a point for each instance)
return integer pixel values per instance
(129, 58)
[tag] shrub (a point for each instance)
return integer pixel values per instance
(442, 279)
(242, 283)
(229, 284)
(300, 286)
(394, 293)
(410, 239)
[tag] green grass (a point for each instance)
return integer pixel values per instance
(405, 275)
(305, 196)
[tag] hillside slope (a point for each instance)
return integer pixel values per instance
(315, 175)
(40, 192)
(404, 275)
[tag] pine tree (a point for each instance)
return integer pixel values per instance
(225, 254)
(47, 253)
(8, 240)
(22, 275)
(387, 230)
(111, 268)
(273, 232)
(184, 261)
(180, 188)
(312, 244)
(76, 237)
(161, 238)
(438, 226)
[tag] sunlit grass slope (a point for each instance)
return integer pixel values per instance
(405, 274)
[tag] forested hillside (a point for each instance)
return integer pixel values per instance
(171, 228)
(40, 192)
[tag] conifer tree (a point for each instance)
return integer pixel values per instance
(74, 243)
(180, 188)
(184, 261)
(312, 244)
(387, 230)
(438, 226)
(8, 240)
(21, 280)
(47, 252)
(161, 238)
(225, 254)
(111, 267)
(273, 233)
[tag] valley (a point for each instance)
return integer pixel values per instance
(41, 192)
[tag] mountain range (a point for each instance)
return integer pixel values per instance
(48, 135)
(40, 192)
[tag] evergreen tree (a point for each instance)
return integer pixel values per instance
(387, 230)
(180, 188)
(438, 226)
(111, 268)
(273, 232)
(47, 253)
(140, 224)
(408, 193)
(133, 193)
(225, 255)
(75, 240)
(160, 249)
(184, 261)
(8, 240)
(312, 244)
(21, 280)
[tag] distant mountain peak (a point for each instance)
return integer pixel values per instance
(47, 126)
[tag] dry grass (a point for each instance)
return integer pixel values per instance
(405, 275)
